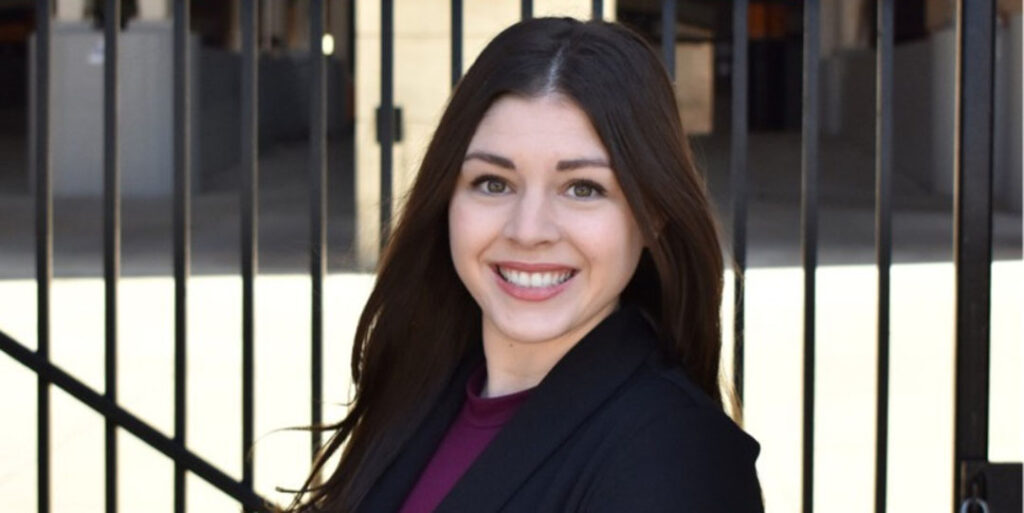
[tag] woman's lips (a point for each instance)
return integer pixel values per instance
(532, 282)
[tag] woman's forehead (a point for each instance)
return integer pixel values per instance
(551, 125)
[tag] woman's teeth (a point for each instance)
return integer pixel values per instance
(537, 280)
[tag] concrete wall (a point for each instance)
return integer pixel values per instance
(145, 109)
(74, 10)
(924, 104)
(1007, 185)
(283, 107)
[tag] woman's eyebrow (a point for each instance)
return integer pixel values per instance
(490, 158)
(566, 165)
(563, 165)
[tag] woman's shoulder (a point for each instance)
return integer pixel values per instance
(675, 450)
(662, 394)
(658, 392)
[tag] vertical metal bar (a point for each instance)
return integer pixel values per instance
(44, 245)
(456, 41)
(386, 119)
(597, 9)
(525, 9)
(111, 236)
(973, 231)
(738, 177)
(182, 240)
(318, 209)
(668, 36)
(350, 57)
(809, 234)
(249, 194)
(883, 235)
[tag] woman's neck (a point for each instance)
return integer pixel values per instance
(513, 366)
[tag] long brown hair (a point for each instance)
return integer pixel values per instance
(420, 321)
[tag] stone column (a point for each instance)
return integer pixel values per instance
(153, 9)
(70, 10)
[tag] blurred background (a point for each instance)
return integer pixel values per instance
(920, 463)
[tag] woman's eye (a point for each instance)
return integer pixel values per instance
(495, 187)
(585, 190)
(490, 185)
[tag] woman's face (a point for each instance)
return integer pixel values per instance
(541, 233)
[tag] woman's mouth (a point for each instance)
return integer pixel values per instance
(534, 282)
(534, 279)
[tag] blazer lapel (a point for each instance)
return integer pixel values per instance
(581, 381)
(390, 490)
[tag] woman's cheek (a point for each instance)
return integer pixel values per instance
(471, 225)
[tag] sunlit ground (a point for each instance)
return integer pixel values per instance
(922, 388)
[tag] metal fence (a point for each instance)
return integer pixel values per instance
(979, 484)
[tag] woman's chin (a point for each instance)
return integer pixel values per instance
(531, 336)
(525, 328)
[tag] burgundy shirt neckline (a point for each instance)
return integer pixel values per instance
(490, 411)
(477, 423)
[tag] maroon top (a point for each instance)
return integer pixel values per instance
(478, 422)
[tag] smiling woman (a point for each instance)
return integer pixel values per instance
(541, 235)
(544, 334)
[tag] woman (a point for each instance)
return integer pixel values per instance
(544, 330)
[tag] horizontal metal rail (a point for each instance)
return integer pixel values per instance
(50, 373)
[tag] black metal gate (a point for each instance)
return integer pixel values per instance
(978, 482)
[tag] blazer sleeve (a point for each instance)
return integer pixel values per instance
(695, 460)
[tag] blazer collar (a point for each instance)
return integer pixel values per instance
(578, 384)
(391, 488)
(581, 381)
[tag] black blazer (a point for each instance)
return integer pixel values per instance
(611, 428)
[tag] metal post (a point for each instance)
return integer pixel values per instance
(738, 177)
(182, 239)
(44, 244)
(386, 117)
(809, 235)
(668, 36)
(249, 195)
(973, 234)
(318, 212)
(883, 236)
(456, 41)
(111, 236)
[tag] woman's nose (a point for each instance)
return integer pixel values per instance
(532, 221)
